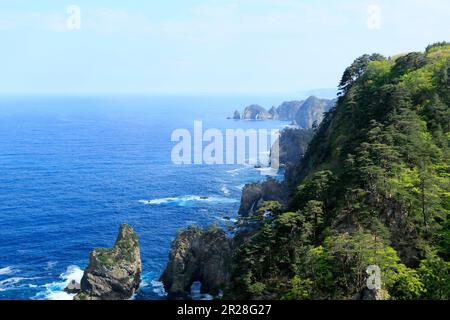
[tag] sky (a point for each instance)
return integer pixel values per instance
(203, 46)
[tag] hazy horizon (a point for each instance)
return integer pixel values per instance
(203, 47)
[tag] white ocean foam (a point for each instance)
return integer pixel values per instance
(55, 290)
(235, 172)
(225, 190)
(6, 271)
(268, 171)
(148, 280)
(13, 283)
(240, 187)
(158, 288)
(10, 282)
(186, 200)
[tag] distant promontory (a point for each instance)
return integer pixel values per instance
(303, 113)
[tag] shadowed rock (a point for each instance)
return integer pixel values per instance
(198, 255)
(113, 274)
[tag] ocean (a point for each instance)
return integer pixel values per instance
(72, 169)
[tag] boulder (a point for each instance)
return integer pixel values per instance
(113, 274)
(73, 287)
(198, 255)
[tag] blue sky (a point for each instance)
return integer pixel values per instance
(204, 46)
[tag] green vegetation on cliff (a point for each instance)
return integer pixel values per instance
(372, 189)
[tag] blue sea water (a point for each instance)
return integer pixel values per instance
(72, 169)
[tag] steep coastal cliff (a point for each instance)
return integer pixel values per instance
(113, 274)
(303, 113)
(371, 191)
(198, 255)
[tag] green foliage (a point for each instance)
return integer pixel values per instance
(435, 275)
(270, 207)
(300, 289)
(372, 189)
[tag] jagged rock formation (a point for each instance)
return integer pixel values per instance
(288, 110)
(236, 115)
(303, 113)
(198, 255)
(371, 189)
(274, 115)
(113, 274)
(292, 145)
(255, 194)
(255, 112)
(312, 110)
(73, 287)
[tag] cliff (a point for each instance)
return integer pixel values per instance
(304, 113)
(113, 274)
(371, 192)
(289, 110)
(255, 112)
(312, 111)
(198, 255)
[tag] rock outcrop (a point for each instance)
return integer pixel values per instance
(73, 287)
(113, 274)
(303, 113)
(255, 112)
(312, 110)
(198, 255)
(292, 146)
(255, 194)
(274, 115)
(288, 110)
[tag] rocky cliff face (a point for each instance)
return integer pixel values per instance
(274, 115)
(255, 112)
(113, 274)
(312, 110)
(293, 144)
(255, 194)
(303, 113)
(198, 255)
(288, 110)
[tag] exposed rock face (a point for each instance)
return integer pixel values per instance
(198, 255)
(312, 110)
(288, 110)
(73, 287)
(113, 274)
(253, 196)
(367, 294)
(303, 113)
(255, 112)
(293, 144)
(274, 113)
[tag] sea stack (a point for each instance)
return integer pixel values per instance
(255, 112)
(198, 255)
(115, 273)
